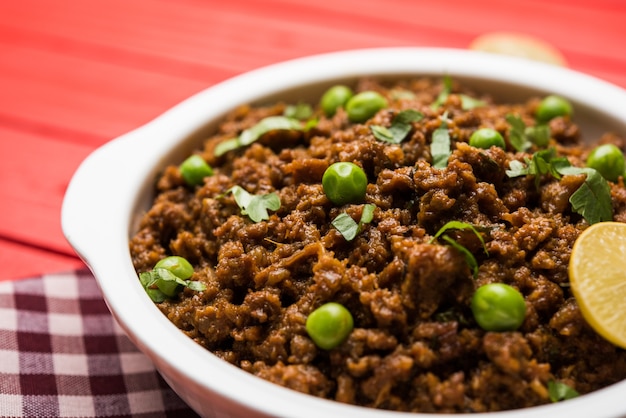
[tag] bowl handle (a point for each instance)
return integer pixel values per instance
(97, 198)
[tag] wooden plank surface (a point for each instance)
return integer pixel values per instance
(76, 73)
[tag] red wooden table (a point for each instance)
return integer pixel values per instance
(76, 73)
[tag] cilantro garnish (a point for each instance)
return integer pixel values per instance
(255, 206)
(523, 137)
(160, 284)
(399, 129)
(440, 145)
(538, 135)
(469, 257)
(467, 102)
(459, 225)
(400, 94)
(592, 200)
(559, 391)
(348, 227)
(248, 136)
(445, 92)
(541, 163)
(300, 111)
(517, 135)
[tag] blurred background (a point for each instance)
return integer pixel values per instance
(75, 74)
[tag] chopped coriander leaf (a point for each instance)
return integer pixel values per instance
(382, 133)
(348, 227)
(168, 282)
(367, 215)
(469, 257)
(407, 116)
(255, 206)
(517, 134)
(399, 94)
(257, 209)
(310, 124)
(242, 197)
(592, 200)
(147, 278)
(248, 136)
(226, 146)
(543, 162)
(155, 295)
(196, 285)
(270, 123)
(538, 135)
(468, 102)
(440, 145)
(462, 226)
(161, 283)
(399, 129)
(523, 137)
(559, 391)
(300, 111)
(148, 281)
(445, 92)
(517, 169)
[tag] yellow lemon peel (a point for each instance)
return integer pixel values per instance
(597, 271)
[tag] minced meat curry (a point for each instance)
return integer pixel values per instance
(439, 218)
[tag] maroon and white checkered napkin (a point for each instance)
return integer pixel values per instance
(63, 355)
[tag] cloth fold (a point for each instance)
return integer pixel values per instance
(63, 355)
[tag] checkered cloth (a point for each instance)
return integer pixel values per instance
(62, 355)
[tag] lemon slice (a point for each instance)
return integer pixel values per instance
(597, 271)
(519, 44)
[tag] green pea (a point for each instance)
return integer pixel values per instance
(364, 105)
(344, 182)
(551, 107)
(177, 265)
(486, 138)
(194, 169)
(498, 307)
(608, 160)
(334, 98)
(329, 325)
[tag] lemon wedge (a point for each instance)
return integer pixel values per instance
(597, 271)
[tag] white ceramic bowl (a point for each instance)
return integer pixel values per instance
(113, 186)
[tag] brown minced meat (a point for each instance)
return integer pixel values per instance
(415, 345)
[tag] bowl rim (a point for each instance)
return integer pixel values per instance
(107, 183)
